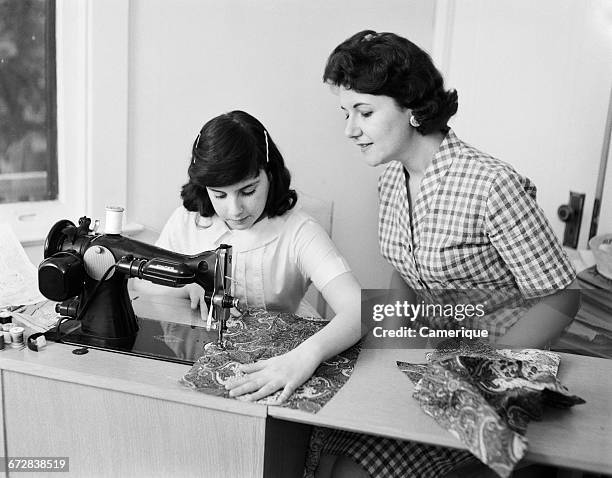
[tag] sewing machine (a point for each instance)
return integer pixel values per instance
(87, 274)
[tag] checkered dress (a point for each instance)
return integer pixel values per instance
(385, 457)
(475, 228)
(475, 225)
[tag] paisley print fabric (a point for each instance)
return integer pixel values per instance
(260, 335)
(486, 397)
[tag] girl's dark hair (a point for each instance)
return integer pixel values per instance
(231, 148)
(387, 64)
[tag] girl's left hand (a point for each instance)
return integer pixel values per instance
(287, 371)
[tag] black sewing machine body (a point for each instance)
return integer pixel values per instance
(87, 273)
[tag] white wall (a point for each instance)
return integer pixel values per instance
(191, 60)
(605, 214)
(534, 80)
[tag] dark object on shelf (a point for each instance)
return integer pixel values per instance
(593, 278)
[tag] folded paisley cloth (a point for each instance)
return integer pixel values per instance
(486, 397)
(260, 335)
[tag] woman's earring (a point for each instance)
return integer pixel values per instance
(414, 122)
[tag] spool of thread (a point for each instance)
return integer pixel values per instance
(114, 220)
(6, 332)
(5, 317)
(17, 337)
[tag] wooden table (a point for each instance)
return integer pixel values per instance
(126, 416)
(377, 400)
(120, 415)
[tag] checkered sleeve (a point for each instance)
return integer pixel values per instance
(522, 236)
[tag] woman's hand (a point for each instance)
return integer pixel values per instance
(545, 321)
(287, 372)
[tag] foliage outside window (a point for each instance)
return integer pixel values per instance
(28, 131)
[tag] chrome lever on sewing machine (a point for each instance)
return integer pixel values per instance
(221, 301)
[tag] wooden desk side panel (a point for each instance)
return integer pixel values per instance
(110, 433)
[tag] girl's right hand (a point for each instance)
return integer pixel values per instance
(196, 297)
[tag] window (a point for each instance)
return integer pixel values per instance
(90, 114)
(28, 132)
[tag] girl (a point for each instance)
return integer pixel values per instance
(239, 193)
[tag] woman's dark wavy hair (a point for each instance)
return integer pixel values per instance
(387, 64)
(231, 148)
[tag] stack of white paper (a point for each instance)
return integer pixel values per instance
(18, 276)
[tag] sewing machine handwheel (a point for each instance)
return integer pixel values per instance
(56, 237)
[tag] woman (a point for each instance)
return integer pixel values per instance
(451, 217)
(239, 193)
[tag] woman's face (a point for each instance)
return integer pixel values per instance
(242, 204)
(377, 125)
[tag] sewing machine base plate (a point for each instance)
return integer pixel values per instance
(156, 339)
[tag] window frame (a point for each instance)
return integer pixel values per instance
(92, 118)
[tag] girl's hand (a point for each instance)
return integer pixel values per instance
(196, 296)
(287, 372)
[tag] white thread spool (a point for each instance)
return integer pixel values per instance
(16, 336)
(114, 220)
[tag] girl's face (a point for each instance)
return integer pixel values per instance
(242, 204)
(377, 125)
